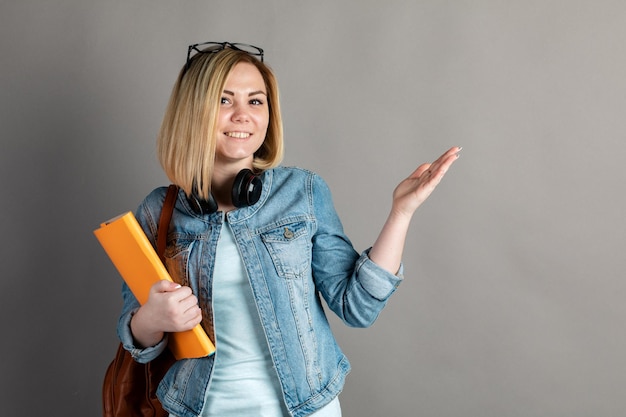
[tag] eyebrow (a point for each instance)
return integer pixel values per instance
(253, 93)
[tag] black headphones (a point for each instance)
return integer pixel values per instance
(246, 192)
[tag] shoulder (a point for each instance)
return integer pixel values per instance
(295, 182)
(154, 198)
(149, 209)
(282, 175)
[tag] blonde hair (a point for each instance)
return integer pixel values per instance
(186, 141)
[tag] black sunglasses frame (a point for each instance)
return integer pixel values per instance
(243, 47)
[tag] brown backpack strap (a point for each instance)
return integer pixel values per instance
(164, 221)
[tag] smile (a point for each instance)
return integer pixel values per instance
(237, 135)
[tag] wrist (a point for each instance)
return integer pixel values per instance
(398, 218)
(143, 333)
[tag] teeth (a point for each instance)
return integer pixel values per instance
(238, 135)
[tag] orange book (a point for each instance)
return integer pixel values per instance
(139, 265)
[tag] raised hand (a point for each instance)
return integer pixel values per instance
(407, 197)
(415, 189)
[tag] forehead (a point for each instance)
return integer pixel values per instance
(245, 75)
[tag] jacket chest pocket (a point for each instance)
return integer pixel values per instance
(289, 246)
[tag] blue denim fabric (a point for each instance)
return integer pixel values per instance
(294, 250)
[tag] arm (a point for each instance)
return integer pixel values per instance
(407, 197)
(354, 287)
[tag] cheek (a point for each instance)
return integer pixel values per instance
(223, 117)
(263, 121)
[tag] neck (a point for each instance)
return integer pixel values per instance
(222, 185)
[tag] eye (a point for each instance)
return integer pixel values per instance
(224, 100)
(256, 102)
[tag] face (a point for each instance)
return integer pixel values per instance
(243, 116)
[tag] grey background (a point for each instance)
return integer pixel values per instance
(513, 301)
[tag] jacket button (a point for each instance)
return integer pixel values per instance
(288, 233)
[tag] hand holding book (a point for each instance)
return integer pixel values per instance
(139, 265)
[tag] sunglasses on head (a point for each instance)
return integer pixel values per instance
(213, 47)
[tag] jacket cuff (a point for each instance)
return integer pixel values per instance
(375, 280)
(141, 355)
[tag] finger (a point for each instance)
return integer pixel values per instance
(452, 151)
(443, 163)
(181, 310)
(195, 318)
(194, 314)
(164, 286)
(434, 171)
(188, 303)
(419, 171)
(179, 294)
(188, 318)
(447, 157)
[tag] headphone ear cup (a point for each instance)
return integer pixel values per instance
(201, 206)
(246, 189)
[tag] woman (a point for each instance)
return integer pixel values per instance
(253, 246)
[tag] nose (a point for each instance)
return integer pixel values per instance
(240, 115)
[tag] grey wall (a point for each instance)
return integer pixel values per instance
(513, 301)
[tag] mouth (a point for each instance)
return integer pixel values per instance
(238, 135)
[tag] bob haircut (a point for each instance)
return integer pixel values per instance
(187, 139)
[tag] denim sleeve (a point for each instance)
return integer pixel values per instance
(130, 303)
(354, 287)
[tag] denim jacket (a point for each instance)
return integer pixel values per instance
(294, 249)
